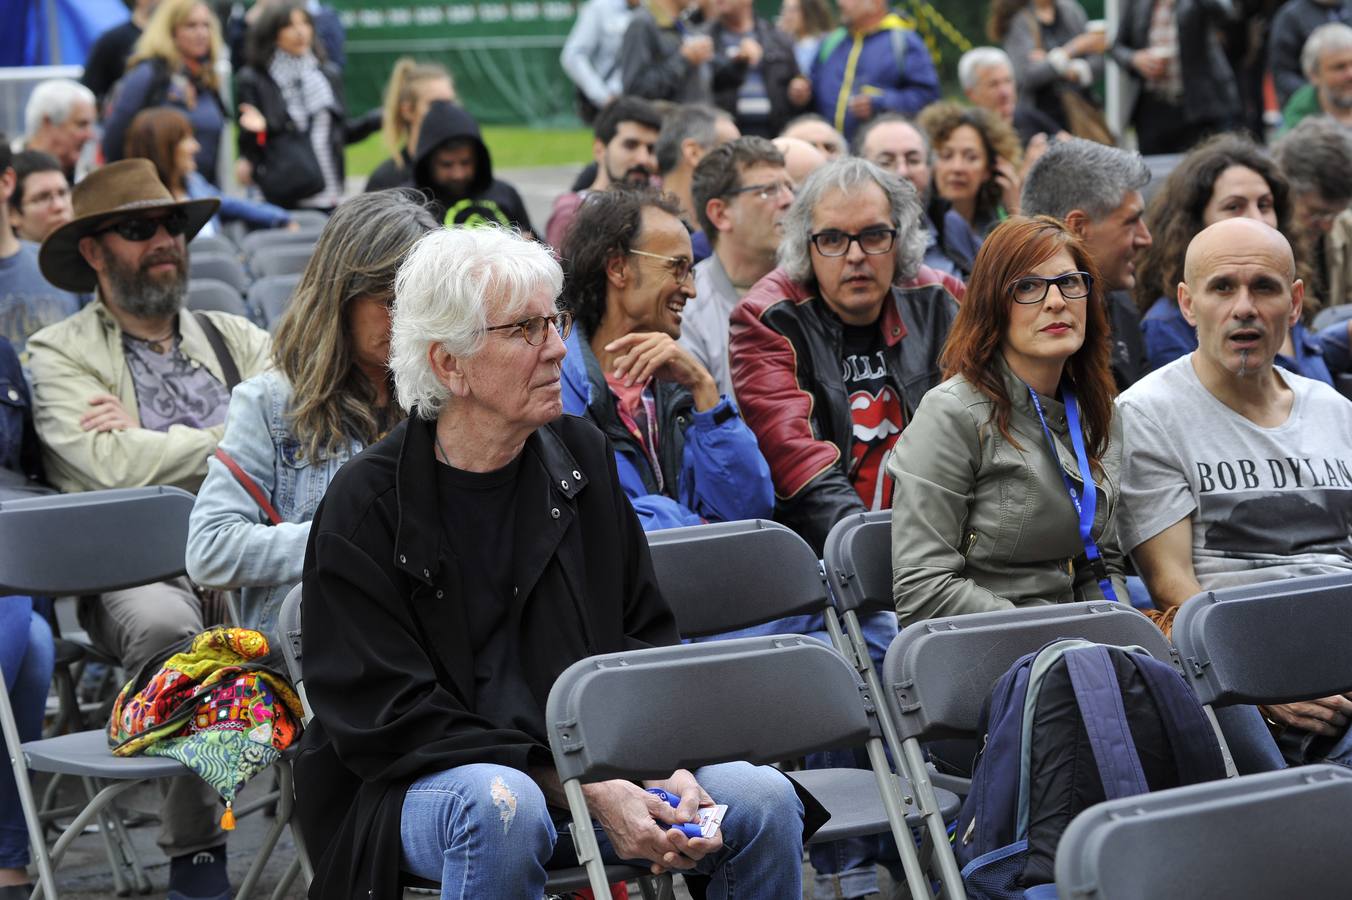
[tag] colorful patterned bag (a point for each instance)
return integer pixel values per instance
(212, 704)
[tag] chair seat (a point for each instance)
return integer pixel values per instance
(86, 753)
(851, 797)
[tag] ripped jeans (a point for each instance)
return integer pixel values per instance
(485, 831)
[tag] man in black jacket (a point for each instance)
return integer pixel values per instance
(755, 74)
(454, 570)
(453, 168)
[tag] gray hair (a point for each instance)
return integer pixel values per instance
(451, 281)
(52, 100)
(693, 121)
(978, 58)
(1315, 157)
(1084, 175)
(847, 175)
(1325, 39)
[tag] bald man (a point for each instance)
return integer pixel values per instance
(1235, 471)
(801, 159)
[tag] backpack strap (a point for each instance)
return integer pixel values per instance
(1099, 698)
(1196, 749)
(213, 334)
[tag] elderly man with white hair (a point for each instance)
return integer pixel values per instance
(59, 119)
(987, 78)
(454, 569)
(1326, 60)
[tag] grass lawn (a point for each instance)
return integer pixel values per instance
(512, 147)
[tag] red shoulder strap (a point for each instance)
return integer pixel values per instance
(249, 485)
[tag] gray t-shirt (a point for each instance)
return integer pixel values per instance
(28, 301)
(172, 389)
(1266, 503)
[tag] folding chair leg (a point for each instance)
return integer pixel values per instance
(282, 818)
(890, 787)
(36, 840)
(288, 878)
(934, 820)
(116, 836)
(584, 838)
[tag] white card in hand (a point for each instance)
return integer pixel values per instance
(710, 817)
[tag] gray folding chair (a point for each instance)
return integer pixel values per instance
(221, 267)
(618, 716)
(255, 241)
(77, 544)
(213, 243)
(732, 575)
(560, 881)
(1332, 315)
(1275, 834)
(937, 674)
(1273, 642)
(271, 295)
(283, 259)
(210, 294)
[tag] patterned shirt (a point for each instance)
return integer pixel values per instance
(172, 389)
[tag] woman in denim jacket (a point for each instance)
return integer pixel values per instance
(327, 397)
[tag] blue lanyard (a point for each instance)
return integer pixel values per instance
(1086, 509)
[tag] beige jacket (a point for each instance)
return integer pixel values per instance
(81, 356)
(1338, 258)
(980, 525)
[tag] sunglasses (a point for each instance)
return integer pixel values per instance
(141, 228)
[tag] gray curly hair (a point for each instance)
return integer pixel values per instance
(847, 175)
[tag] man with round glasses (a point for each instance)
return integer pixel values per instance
(742, 192)
(830, 354)
(132, 391)
(683, 454)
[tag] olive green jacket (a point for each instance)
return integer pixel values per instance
(81, 356)
(979, 524)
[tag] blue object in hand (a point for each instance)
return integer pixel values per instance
(689, 829)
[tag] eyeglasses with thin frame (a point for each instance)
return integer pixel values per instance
(1032, 289)
(766, 191)
(141, 228)
(873, 241)
(678, 265)
(535, 329)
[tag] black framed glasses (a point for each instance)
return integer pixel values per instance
(142, 228)
(1033, 288)
(679, 265)
(535, 329)
(873, 241)
(766, 191)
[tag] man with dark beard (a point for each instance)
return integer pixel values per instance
(132, 391)
(624, 150)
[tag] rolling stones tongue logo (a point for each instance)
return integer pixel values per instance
(877, 422)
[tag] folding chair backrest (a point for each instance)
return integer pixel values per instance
(937, 673)
(212, 243)
(287, 259)
(1276, 834)
(731, 575)
(255, 241)
(271, 295)
(288, 627)
(93, 542)
(858, 559)
(210, 294)
(644, 713)
(220, 266)
(1275, 642)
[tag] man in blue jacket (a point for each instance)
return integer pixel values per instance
(873, 63)
(683, 453)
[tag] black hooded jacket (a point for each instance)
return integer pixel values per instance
(487, 200)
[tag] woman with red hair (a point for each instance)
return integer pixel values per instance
(990, 508)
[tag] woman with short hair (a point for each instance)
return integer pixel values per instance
(328, 396)
(990, 509)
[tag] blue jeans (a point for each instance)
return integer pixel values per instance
(485, 831)
(843, 868)
(26, 654)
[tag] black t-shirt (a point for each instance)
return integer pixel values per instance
(108, 58)
(478, 514)
(875, 408)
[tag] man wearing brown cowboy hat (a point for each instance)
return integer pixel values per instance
(131, 391)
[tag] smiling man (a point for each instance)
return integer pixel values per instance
(1234, 471)
(741, 192)
(683, 454)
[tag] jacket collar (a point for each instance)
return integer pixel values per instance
(1052, 407)
(889, 321)
(547, 464)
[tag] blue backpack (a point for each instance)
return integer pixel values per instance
(1066, 727)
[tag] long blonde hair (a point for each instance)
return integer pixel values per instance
(403, 88)
(157, 41)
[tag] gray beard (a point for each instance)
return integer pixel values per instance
(143, 296)
(1339, 100)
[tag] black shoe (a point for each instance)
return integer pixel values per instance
(199, 876)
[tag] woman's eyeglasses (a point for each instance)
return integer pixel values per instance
(1033, 288)
(535, 329)
(142, 228)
